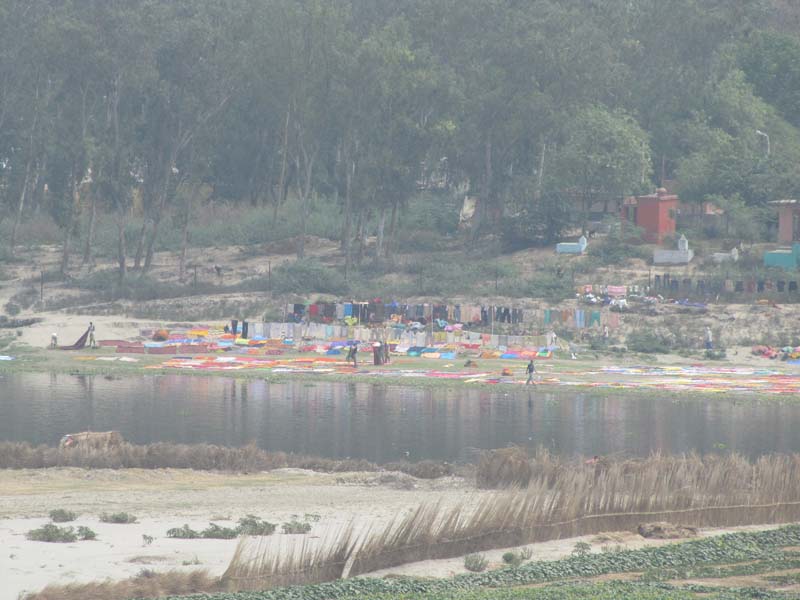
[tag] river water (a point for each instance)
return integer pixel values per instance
(382, 423)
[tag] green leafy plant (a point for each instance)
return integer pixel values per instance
(214, 531)
(252, 525)
(183, 533)
(59, 515)
(512, 558)
(475, 563)
(295, 527)
(52, 533)
(119, 518)
(581, 548)
(85, 533)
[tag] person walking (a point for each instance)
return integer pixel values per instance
(92, 342)
(352, 354)
(709, 338)
(531, 370)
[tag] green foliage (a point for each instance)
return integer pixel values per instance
(614, 250)
(308, 275)
(512, 559)
(120, 518)
(718, 550)
(214, 531)
(252, 525)
(648, 341)
(60, 515)
(52, 533)
(581, 549)
(85, 533)
(183, 533)
(476, 563)
(296, 527)
(248, 525)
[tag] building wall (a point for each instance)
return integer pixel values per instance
(786, 224)
(657, 217)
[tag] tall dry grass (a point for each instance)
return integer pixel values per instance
(147, 584)
(260, 563)
(22, 455)
(564, 499)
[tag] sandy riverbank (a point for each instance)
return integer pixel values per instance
(163, 499)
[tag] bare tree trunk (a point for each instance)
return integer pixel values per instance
(360, 235)
(391, 238)
(137, 260)
(305, 193)
(122, 250)
(284, 156)
(87, 249)
(184, 247)
(20, 206)
(484, 205)
(540, 173)
(381, 225)
(348, 209)
(65, 251)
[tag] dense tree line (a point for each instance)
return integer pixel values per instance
(538, 107)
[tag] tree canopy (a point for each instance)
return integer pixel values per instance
(127, 106)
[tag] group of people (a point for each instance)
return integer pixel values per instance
(91, 341)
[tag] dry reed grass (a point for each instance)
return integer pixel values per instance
(261, 563)
(147, 584)
(568, 499)
(504, 467)
(21, 455)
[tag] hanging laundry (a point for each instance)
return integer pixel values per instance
(595, 318)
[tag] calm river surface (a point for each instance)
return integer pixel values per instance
(383, 423)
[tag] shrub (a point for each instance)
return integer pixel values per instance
(295, 527)
(581, 548)
(252, 525)
(59, 515)
(512, 558)
(183, 533)
(306, 276)
(526, 553)
(84, 533)
(214, 531)
(52, 533)
(648, 342)
(120, 518)
(475, 563)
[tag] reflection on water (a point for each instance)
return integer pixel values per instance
(383, 423)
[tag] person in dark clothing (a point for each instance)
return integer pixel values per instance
(352, 354)
(531, 370)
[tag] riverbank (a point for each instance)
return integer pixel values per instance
(168, 498)
(601, 374)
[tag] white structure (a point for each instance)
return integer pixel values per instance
(682, 256)
(572, 247)
(721, 257)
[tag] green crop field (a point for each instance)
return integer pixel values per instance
(650, 573)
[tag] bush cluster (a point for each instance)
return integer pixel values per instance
(249, 525)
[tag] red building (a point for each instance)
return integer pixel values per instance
(788, 220)
(654, 213)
